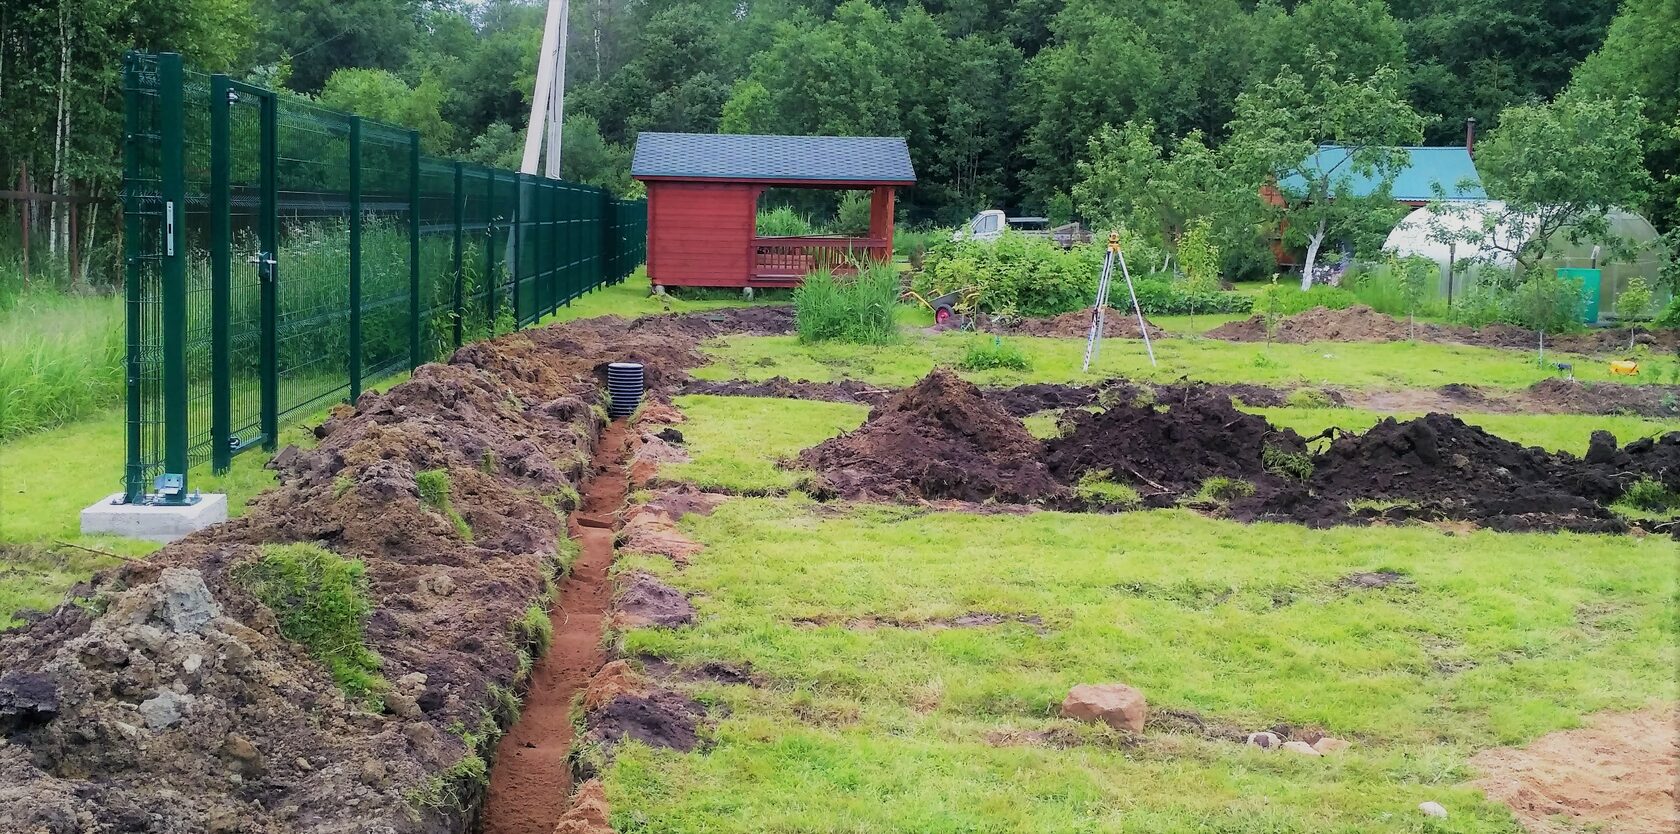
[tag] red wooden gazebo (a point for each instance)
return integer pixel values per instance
(703, 194)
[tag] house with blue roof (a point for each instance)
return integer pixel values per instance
(1451, 169)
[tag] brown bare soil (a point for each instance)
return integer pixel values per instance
(1362, 324)
(1117, 324)
(938, 439)
(1620, 773)
(239, 728)
(531, 785)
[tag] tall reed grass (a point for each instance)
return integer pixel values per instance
(856, 308)
(61, 359)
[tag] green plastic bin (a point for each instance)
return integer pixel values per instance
(1588, 281)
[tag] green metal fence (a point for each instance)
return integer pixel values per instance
(280, 256)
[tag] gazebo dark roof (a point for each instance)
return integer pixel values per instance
(803, 159)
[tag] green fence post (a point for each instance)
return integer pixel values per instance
(134, 472)
(555, 215)
(516, 230)
(268, 271)
(355, 258)
(221, 274)
(490, 248)
(458, 206)
(172, 136)
(415, 355)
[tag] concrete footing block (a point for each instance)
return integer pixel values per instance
(153, 522)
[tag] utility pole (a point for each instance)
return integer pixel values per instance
(548, 100)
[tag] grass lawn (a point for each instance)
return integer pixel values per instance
(1491, 639)
(633, 297)
(48, 477)
(1351, 365)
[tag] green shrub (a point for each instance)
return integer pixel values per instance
(984, 354)
(1669, 318)
(1285, 464)
(1161, 297)
(1030, 276)
(783, 221)
(855, 308)
(1288, 299)
(320, 600)
(1650, 495)
(852, 218)
(1543, 302)
(1397, 287)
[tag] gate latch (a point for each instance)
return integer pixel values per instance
(265, 266)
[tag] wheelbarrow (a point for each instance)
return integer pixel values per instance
(948, 307)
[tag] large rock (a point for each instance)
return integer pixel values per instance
(186, 600)
(1115, 704)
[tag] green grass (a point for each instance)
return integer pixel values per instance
(1494, 639)
(60, 359)
(1351, 365)
(320, 600)
(1553, 432)
(735, 442)
(633, 298)
(47, 478)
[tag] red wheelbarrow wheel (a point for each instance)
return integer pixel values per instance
(942, 314)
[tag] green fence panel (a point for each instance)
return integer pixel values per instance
(280, 256)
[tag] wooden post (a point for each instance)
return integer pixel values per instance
(24, 216)
(881, 218)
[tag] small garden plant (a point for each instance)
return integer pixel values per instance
(990, 353)
(857, 308)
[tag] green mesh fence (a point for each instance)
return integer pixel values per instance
(281, 256)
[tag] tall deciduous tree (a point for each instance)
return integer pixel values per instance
(1641, 57)
(1276, 138)
(1557, 171)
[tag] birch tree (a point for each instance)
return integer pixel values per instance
(1361, 125)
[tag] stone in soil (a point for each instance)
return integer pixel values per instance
(1115, 704)
(939, 439)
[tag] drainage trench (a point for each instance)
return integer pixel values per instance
(531, 781)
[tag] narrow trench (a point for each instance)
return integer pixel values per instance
(531, 780)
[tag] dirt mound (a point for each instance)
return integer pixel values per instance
(125, 687)
(1170, 447)
(1117, 324)
(939, 439)
(1034, 397)
(843, 391)
(1437, 466)
(1618, 774)
(659, 719)
(1362, 324)
(645, 601)
(1570, 396)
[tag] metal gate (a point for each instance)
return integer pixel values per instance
(280, 256)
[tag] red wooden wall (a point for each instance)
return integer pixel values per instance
(699, 233)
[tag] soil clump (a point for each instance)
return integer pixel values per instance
(1117, 324)
(939, 439)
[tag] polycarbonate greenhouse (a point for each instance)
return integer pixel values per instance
(1421, 231)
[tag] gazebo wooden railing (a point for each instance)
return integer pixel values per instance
(789, 259)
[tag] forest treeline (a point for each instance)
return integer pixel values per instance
(999, 100)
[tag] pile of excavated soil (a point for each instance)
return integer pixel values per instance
(1117, 324)
(167, 700)
(938, 439)
(1568, 396)
(1167, 448)
(1620, 773)
(1362, 324)
(1436, 466)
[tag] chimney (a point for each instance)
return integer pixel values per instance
(1470, 135)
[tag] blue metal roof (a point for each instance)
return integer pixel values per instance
(1416, 182)
(749, 157)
